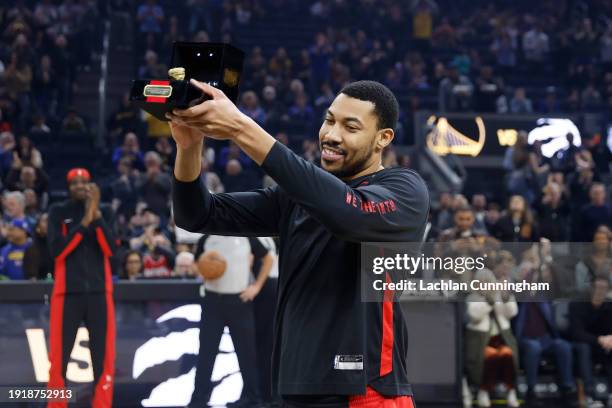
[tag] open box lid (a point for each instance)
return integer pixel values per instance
(216, 63)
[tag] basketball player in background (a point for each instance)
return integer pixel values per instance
(331, 348)
(81, 242)
(228, 302)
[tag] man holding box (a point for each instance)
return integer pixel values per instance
(331, 349)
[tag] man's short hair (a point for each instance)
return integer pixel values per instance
(386, 107)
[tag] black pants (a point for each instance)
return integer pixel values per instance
(218, 311)
(96, 310)
(265, 307)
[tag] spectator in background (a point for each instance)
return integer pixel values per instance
(535, 45)
(17, 77)
(14, 207)
(301, 114)
(124, 190)
(143, 220)
(464, 226)
(591, 98)
(154, 186)
(444, 213)
(130, 149)
(272, 108)
(37, 261)
(518, 224)
(310, 151)
(591, 328)
(232, 151)
(537, 335)
(236, 179)
(320, 55)
(520, 103)
(491, 349)
(12, 254)
(7, 149)
(32, 205)
(479, 207)
(280, 64)
(158, 258)
(249, 105)
(40, 128)
(150, 16)
(455, 92)
(27, 177)
(45, 13)
(123, 120)
(166, 152)
(45, 86)
(550, 104)
(210, 178)
(553, 213)
(184, 265)
(597, 261)
(504, 48)
(487, 91)
(423, 12)
(594, 214)
(73, 122)
(27, 153)
(152, 67)
(444, 36)
(132, 266)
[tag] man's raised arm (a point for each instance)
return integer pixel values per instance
(197, 210)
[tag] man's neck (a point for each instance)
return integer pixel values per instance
(365, 172)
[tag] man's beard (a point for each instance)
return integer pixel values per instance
(357, 166)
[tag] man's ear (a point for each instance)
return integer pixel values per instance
(384, 137)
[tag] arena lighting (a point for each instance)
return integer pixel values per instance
(552, 133)
(444, 139)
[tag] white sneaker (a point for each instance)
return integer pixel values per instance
(467, 394)
(512, 399)
(483, 399)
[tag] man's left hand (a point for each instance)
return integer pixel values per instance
(249, 293)
(217, 118)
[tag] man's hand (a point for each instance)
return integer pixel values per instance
(217, 118)
(185, 137)
(249, 293)
(94, 197)
(605, 342)
(92, 210)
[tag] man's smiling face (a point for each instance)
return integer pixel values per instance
(348, 136)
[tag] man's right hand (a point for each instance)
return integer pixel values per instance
(186, 137)
(189, 143)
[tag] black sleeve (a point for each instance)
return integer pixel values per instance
(199, 250)
(60, 244)
(578, 316)
(393, 208)
(257, 249)
(104, 227)
(249, 213)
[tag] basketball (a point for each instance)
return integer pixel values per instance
(211, 265)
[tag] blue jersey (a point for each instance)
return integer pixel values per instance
(11, 260)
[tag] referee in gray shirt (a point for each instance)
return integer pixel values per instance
(228, 302)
